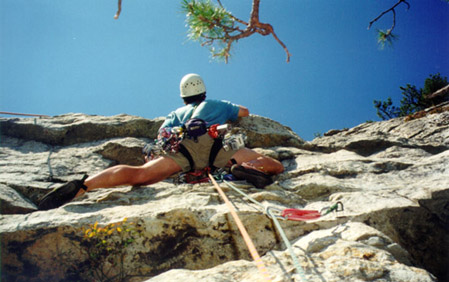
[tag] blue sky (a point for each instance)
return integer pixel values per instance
(67, 56)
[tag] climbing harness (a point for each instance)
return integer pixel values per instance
(289, 214)
(170, 141)
(202, 176)
(249, 243)
(193, 177)
(216, 146)
(222, 139)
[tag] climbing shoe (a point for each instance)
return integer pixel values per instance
(61, 195)
(255, 177)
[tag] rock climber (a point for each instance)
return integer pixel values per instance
(255, 168)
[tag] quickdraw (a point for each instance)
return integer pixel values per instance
(300, 215)
(290, 214)
(168, 141)
(303, 215)
(170, 138)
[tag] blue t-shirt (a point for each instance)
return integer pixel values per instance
(211, 111)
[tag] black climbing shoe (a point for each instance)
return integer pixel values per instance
(61, 195)
(255, 177)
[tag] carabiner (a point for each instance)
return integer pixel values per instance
(270, 214)
(338, 206)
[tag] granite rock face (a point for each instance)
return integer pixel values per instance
(391, 177)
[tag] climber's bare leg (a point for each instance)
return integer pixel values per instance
(151, 172)
(251, 159)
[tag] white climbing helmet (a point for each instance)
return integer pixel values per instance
(191, 85)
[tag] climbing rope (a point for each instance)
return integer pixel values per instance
(287, 244)
(289, 214)
(249, 243)
(274, 217)
(21, 114)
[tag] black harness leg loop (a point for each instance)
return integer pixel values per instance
(186, 154)
(216, 147)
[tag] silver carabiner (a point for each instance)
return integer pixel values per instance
(270, 214)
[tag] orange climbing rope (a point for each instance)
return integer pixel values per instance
(249, 243)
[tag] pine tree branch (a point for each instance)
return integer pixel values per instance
(262, 28)
(235, 33)
(392, 9)
(119, 10)
(226, 32)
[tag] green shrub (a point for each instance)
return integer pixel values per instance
(413, 99)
